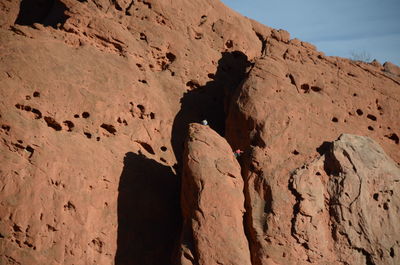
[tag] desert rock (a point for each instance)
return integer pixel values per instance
(212, 202)
(96, 100)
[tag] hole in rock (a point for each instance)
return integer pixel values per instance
(45, 12)
(17, 228)
(198, 36)
(359, 112)
(385, 206)
(88, 135)
(85, 115)
(163, 160)
(147, 236)
(36, 94)
(152, 115)
(371, 117)
(316, 89)
(229, 44)
(295, 152)
(334, 119)
(76, 116)
(354, 94)
(393, 137)
(193, 84)
(198, 103)
(203, 20)
(30, 150)
(376, 196)
(147, 147)
(109, 128)
(97, 138)
(38, 114)
(52, 123)
(305, 87)
(170, 56)
(142, 81)
(27, 108)
(391, 252)
(6, 127)
(28, 97)
(163, 148)
(143, 36)
(70, 125)
(370, 128)
(141, 108)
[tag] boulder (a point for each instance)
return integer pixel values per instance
(212, 202)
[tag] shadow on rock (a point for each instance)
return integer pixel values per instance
(148, 212)
(209, 102)
(46, 12)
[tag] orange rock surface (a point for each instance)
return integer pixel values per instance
(96, 101)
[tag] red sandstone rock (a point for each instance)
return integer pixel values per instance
(96, 97)
(212, 202)
(293, 101)
(392, 68)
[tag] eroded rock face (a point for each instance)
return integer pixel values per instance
(294, 102)
(96, 98)
(212, 202)
(347, 204)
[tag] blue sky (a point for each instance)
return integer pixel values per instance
(337, 28)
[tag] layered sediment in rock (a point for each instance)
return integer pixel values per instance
(212, 202)
(96, 98)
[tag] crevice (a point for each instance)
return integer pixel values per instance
(263, 43)
(296, 207)
(254, 245)
(127, 10)
(209, 101)
(368, 257)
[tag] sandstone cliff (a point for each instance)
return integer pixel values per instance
(97, 166)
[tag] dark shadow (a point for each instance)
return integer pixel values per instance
(324, 148)
(46, 12)
(332, 166)
(148, 212)
(209, 101)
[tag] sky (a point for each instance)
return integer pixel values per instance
(366, 28)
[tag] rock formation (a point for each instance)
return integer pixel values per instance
(355, 186)
(96, 101)
(212, 202)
